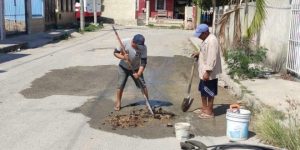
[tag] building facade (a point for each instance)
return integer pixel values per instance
(32, 16)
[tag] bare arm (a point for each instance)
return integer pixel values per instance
(141, 70)
(119, 55)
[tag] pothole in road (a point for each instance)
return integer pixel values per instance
(166, 79)
(139, 118)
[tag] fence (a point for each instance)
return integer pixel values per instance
(293, 55)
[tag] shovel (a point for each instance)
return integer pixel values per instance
(187, 102)
(143, 92)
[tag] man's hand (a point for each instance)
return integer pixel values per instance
(206, 76)
(125, 57)
(136, 75)
(195, 54)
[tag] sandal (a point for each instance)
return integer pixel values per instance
(206, 116)
(198, 111)
(117, 108)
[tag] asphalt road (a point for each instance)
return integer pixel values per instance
(57, 96)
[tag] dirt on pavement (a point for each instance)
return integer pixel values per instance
(166, 79)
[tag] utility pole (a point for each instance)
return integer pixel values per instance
(147, 11)
(95, 11)
(81, 15)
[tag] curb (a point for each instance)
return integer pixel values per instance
(13, 47)
(37, 40)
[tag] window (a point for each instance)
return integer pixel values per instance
(72, 5)
(37, 8)
(67, 5)
(160, 5)
(62, 4)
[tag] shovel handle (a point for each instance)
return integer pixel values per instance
(192, 75)
(143, 92)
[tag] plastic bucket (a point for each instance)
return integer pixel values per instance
(237, 125)
(182, 130)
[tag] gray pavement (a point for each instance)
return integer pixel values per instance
(54, 96)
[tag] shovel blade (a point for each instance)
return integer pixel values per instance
(186, 104)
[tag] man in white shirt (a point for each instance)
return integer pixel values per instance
(209, 66)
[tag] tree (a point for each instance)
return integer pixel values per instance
(256, 23)
(207, 4)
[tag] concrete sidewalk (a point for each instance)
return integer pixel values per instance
(33, 40)
(273, 91)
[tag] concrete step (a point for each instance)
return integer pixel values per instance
(5, 48)
(33, 40)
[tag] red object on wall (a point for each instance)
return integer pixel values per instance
(142, 8)
(169, 8)
(85, 13)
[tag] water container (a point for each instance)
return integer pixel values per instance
(182, 130)
(238, 124)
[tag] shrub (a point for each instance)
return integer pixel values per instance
(243, 62)
(93, 27)
(150, 25)
(273, 128)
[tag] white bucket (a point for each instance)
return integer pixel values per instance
(237, 125)
(182, 130)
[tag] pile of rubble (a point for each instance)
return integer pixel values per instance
(138, 118)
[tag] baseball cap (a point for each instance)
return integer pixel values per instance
(200, 29)
(139, 39)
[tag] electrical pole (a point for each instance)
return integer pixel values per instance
(95, 11)
(81, 15)
(147, 11)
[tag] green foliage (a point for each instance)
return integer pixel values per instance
(93, 27)
(175, 27)
(206, 4)
(259, 18)
(239, 60)
(150, 25)
(276, 129)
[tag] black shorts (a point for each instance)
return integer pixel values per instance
(208, 88)
(123, 76)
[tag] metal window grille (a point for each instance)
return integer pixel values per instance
(293, 55)
(15, 16)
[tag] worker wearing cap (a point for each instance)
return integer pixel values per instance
(136, 55)
(209, 66)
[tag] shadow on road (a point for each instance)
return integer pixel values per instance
(221, 109)
(153, 103)
(10, 57)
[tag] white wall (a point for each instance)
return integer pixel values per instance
(274, 34)
(122, 11)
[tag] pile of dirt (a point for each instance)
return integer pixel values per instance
(287, 76)
(139, 118)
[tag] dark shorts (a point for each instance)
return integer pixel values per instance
(208, 88)
(123, 76)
